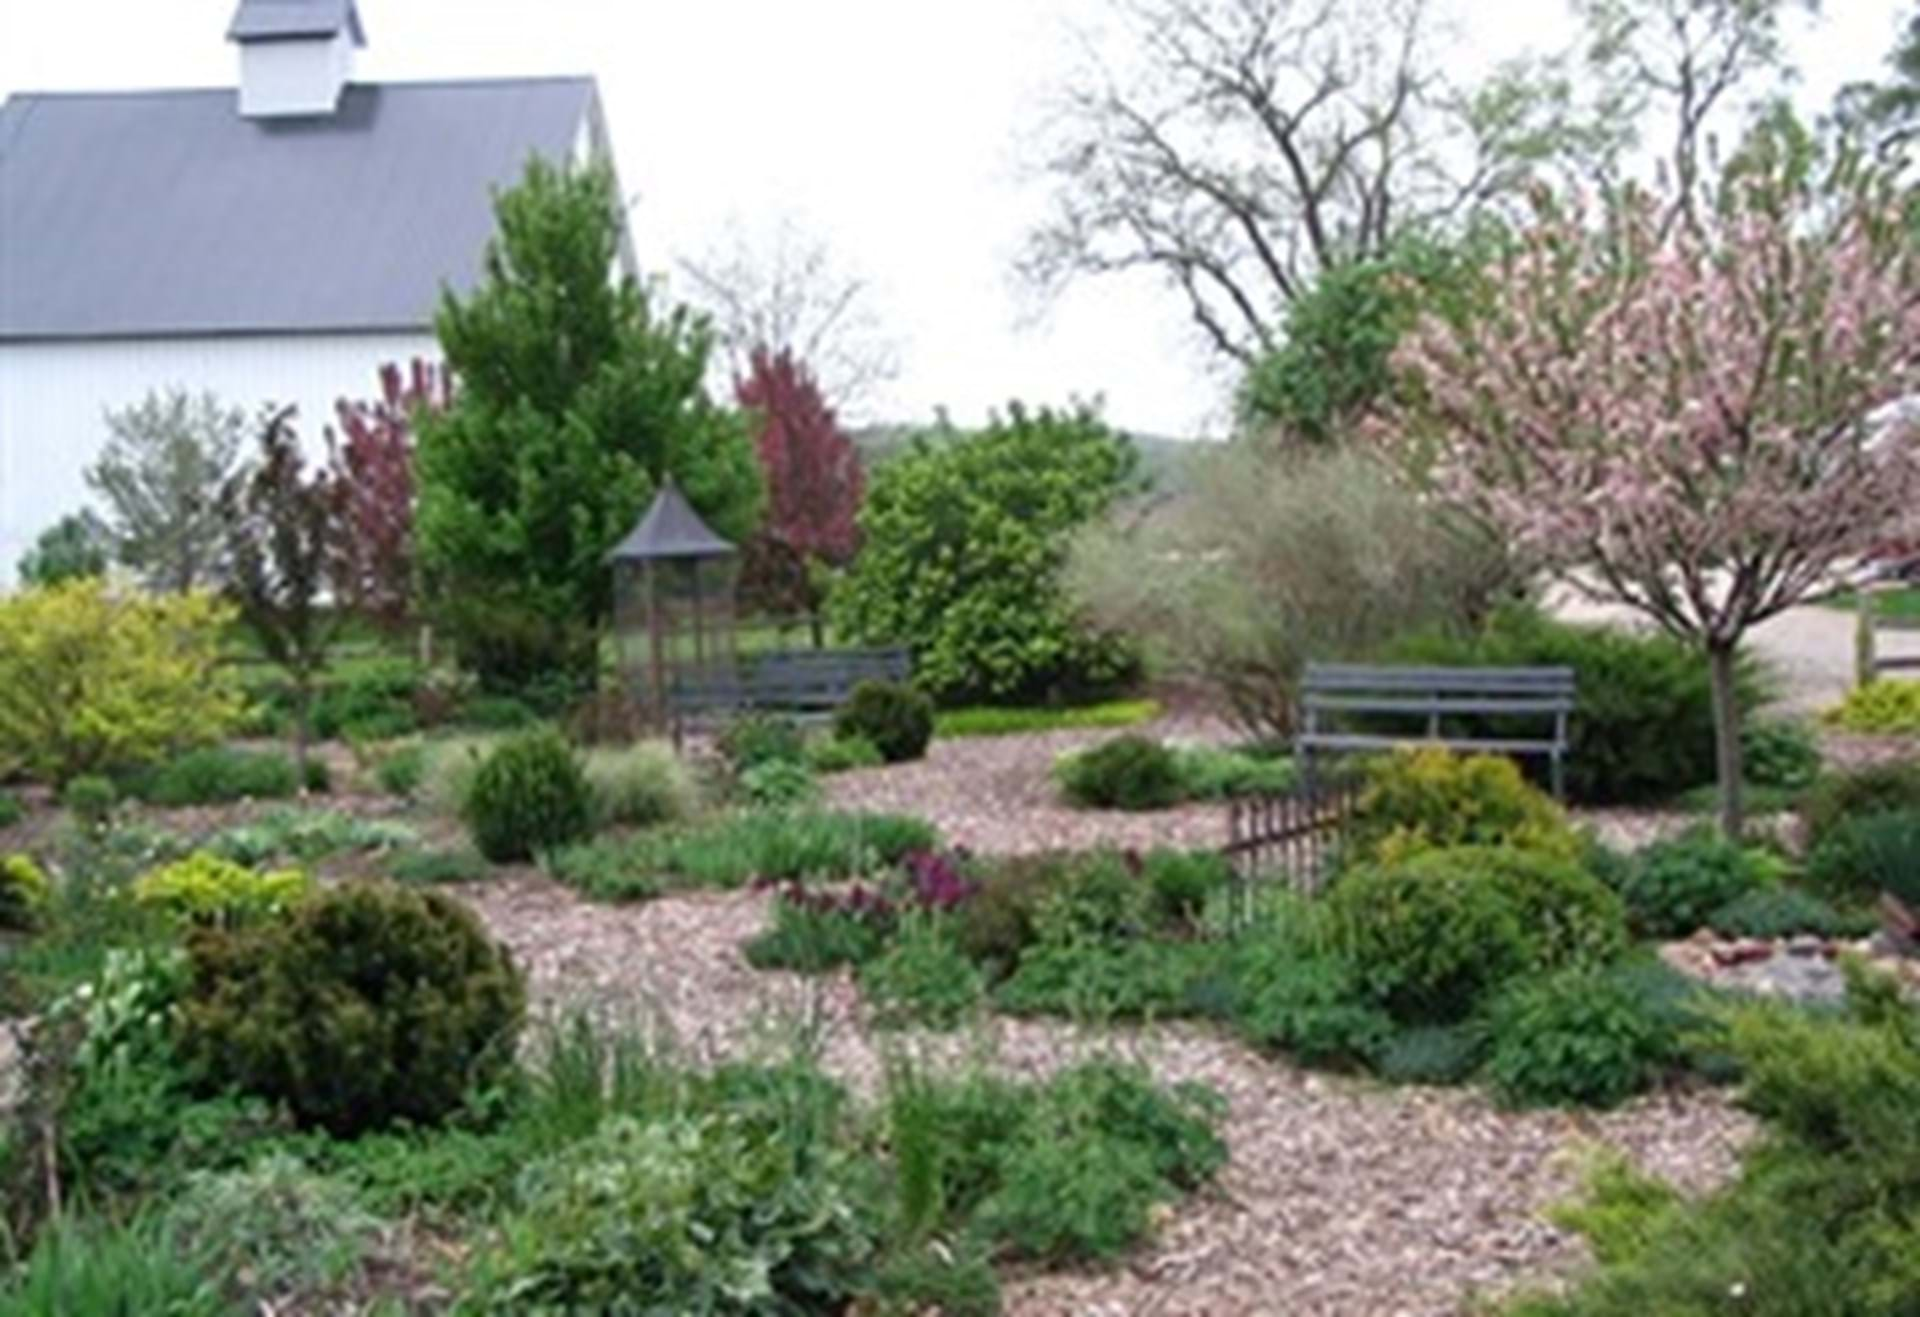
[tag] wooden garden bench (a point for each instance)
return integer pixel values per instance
(804, 682)
(1333, 695)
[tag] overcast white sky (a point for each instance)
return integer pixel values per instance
(892, 127)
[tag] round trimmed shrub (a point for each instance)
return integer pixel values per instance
(370, 1004)
(24, 892)
(1432, 936)
(1677, 885)
(531, 794)
(1128, 772)
(1428, 798)
(897, 719)
(1579, 1037)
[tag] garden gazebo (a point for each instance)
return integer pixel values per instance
(673, 614)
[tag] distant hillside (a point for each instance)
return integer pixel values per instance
(1162, 457)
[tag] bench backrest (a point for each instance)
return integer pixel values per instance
(806, 679)
(1358, 688)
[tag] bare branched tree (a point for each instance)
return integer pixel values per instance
(1239, 148)
(783, 289)
(1680, 68)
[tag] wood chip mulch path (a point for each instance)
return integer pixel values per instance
(1341, 1197)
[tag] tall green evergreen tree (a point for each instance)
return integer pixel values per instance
(574, 397)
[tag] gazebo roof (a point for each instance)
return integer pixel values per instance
(671, 529)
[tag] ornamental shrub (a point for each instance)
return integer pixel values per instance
(1883, 706)
(1675, 886)
(963, 540)
(93, 679)
(531, 794)
(273, 1234)
(814, 932)
(1317, 1009)
(11, 810)
(842, 754)
(1128, 772)
(90, 798)
(1642, 729)
(897, 719)
(1423, 798)
(1868, 855)
(215, 774)
(1578, 1037)
(205, 889)
(757, 738)
(1432, 936)
(1432, 1054)
(779, 784)
(1779, 752)
(1776, 912)
(25, 892)
(1881, 788)
(1100, 1148)
(369, 1003)
(923, 978)
(712, 1212)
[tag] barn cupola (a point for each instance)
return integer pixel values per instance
(295, 55)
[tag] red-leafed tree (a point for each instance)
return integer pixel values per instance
(814, 481)
(373, 466)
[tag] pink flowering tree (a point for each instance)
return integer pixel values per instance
(1694, 424)
(373, 465)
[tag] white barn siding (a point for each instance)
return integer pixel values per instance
(53, 396)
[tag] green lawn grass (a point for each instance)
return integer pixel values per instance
(989, 720)
(1899, 605)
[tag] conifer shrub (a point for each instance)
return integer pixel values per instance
(896, 719)
(368, 1004)
(531, 794)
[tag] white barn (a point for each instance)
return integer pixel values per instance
(273, 243)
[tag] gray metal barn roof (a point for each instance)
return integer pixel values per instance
(164, 213)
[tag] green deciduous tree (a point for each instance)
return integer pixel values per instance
(575, 396)
(964, 535)
(160, 476)
(1335, 360)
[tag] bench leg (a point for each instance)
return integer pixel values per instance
(1559, 778)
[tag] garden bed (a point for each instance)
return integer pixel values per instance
(1341, 1196)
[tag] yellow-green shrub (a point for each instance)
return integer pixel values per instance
(93, 678)
(24, 891)
(1427, 798)
(205, 889)
(1878, 706)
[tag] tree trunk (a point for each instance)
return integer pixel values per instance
(302, 729)
(819, 630)
(1726, 735)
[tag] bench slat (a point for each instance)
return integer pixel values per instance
(1443, 704)
(1361, 741)
(1465, 679)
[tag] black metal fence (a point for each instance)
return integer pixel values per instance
(1292, 837)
